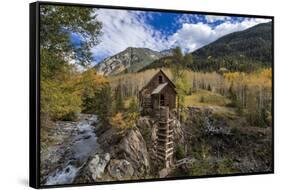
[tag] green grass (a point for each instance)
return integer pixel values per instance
(206, 98)
(213, 100)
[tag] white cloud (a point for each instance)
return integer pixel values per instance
(193, 36)
(214, 18)
(122, 29)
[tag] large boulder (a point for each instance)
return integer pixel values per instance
(97, 165)
(127, 144)
(94, 169)
(120, 169)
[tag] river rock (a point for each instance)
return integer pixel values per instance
(87, 136)
(164, 172)
(98, 164)
(120, 169)
(93, 170)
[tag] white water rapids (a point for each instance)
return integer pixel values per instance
(83, 145)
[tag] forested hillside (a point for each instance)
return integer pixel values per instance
(239, 51)
(246, 51)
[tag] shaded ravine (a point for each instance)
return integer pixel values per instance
(82, 145)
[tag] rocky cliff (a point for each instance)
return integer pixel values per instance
(129, 60)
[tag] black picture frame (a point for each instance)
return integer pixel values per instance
(34, 93)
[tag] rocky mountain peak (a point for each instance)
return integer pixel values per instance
(132, 59)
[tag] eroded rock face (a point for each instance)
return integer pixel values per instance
(133, 147)
(120, 169)
(109, 138)
(148, 128)
(127, 145)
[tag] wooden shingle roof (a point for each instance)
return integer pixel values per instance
(160, 71)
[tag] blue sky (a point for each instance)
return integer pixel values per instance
(164, 22)
(162, 30)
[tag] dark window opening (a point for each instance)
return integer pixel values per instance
(162, 100)
(160, 79)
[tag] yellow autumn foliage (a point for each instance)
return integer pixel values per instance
(124, 120)
(118, 121)
(259, 78)
(232, 76)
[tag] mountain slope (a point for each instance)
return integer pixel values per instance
(129, 60)
(246, 50)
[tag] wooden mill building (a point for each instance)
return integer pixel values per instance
(159, 91)
(157, 98)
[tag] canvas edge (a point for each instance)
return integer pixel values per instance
(34, 138)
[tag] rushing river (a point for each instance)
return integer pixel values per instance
(82, 145)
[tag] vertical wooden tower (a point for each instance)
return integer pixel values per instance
(165, 144)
